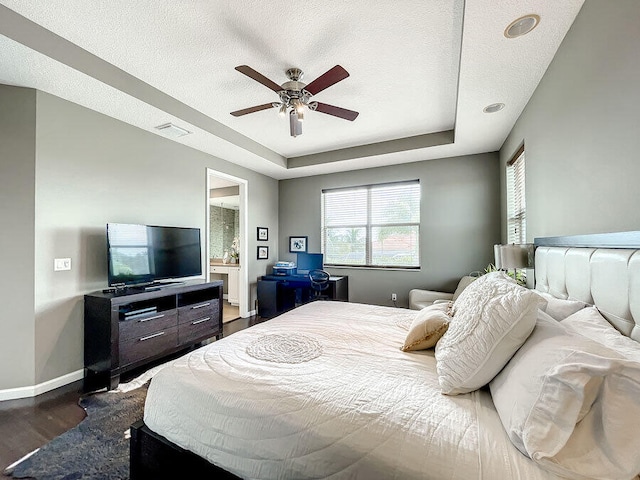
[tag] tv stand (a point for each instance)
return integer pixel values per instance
(126, 329)
(158, 285)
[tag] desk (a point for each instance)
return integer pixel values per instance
(279, 293)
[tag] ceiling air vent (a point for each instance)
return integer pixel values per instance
(170, 130)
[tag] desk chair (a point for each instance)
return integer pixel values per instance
(319, 283)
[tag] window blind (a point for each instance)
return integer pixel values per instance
(372, 225)
(516, 200)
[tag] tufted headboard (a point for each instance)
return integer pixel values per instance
(602, 270)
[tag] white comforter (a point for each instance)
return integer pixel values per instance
(362, 409)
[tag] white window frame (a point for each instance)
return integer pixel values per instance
(516, 199)
(369, 226)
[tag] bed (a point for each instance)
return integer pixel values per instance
(324, 391)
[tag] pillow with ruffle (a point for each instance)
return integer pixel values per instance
(428, 327)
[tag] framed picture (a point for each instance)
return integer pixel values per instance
(263, 253)
(298, 244)
(263, 233)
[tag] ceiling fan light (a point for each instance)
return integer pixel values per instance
(300, 114)
(294, 125)
(283, 110)
(298, 105)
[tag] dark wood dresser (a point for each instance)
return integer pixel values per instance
(131, 328)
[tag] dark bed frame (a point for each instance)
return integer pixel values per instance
(155, 457)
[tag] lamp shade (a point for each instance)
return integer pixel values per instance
(496, 255)
(515, 256)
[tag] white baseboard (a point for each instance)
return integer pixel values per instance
(34, 390)
(250, 314)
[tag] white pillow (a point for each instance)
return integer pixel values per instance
(427, 327)
(571, 404)
(492, 317)
(559, 308)
(590, 323)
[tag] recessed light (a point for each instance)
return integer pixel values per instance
(522, 26)
(171, 130)
(493, 108)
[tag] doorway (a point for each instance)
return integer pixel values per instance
(226, 240)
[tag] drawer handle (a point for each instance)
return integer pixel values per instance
(196, 322)
(202, 305)
(151, 318)
(149, 337)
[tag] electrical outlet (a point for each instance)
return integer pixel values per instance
(394, 297)
(61, 264)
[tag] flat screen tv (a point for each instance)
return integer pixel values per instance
(143, 254)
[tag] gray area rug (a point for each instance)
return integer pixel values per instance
(97, 448)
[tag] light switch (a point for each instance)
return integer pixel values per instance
(60, 264)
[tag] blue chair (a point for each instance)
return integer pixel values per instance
(319, 283)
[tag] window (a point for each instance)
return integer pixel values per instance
(372, 225)
(516, 204)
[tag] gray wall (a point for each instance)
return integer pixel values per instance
(459, 222)
(89, 170)
(581, 128)
(17, 211)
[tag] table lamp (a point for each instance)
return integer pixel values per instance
(513, 256)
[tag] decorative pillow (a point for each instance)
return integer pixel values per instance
(571, 404)
(590, 323)
(559, 308)
(427, 328)
(492, 317)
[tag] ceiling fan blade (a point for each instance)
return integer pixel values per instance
(257, 108)
(258, 77)
(337, 111)
(327, 79)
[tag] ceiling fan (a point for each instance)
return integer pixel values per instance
(295, 95)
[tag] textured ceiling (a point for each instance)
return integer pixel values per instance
(416, 68)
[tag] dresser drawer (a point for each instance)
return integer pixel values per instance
(141, 326)
(219, 269)
(197, 311)
(198, 328)
(145, 346)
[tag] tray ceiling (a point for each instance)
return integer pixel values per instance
(420, 72)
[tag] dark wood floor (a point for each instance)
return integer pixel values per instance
(29, 423)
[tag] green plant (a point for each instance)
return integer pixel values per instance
(519, 275)
(490, 268)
